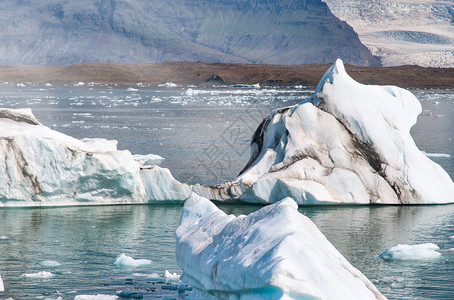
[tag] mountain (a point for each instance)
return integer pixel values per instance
(249, 31)
(419, 32)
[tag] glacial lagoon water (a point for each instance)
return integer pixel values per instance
(204, 135)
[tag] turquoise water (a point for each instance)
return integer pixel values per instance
(87, 240)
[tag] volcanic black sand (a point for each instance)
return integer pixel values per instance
(197, 73)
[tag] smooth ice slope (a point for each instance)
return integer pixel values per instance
(42, 167)
(274, 253)
(348, 143)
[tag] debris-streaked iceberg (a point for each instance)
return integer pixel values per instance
(348, 143)
(274, 253)
(43, 167)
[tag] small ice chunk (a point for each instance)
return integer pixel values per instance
(172, 277)
(38, 275)
(191, 92)
(2, 286)
(3, 237)
(452, 237)
(129, 262)
(130, 89)
(168, 84)
(50, 264)
(95, 297)
(150, 276)
(80, 83)
(411, 252)
(397, 285)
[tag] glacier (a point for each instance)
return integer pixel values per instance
(274, 253)
(43, 167)
(348, 143)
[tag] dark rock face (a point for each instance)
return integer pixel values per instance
(214, 80)
(259, 31)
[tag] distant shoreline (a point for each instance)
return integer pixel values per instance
(196, 73)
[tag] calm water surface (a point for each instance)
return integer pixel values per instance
(204, 138)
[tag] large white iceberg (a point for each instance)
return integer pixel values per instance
(274, 253)
(43, 167)
(348, 143)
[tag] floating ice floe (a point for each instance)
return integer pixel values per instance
(96, 297)
(273, 253)
(438, 155)
(50, 264)
(347, 143)
(240, 85)
(43, 167)
(191, 92)
(38, 275)
(129, 294)
(168, 84)
(124, 261)
(150, 276)
(411, 252)
(171, 277)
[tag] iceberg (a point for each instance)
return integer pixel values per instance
(2, 286)
(43, 167)
(347, 143)
(274, 253)
(411, 252)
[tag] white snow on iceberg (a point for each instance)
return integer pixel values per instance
(43, 167)
(348, 143)
(411, 252)
(275, 252)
